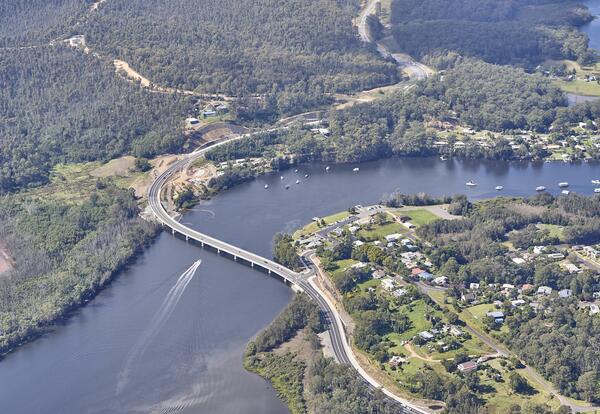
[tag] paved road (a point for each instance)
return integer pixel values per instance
(416, 70)
(299, 281)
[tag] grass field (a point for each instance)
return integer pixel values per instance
(579, 87)
(419, 217)
(379, 232)
(555, 231)
(313, 227)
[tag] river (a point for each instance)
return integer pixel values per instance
(135, 348)
(154, 342)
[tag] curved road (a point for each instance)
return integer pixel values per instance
(301, 282)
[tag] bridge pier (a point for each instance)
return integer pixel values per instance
(173, 231)
(235, 258)
(187, 238)
(218, 251)
(252, 264)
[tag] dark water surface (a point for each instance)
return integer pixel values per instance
(592, 29)
(146, 344)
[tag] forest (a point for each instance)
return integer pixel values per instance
(520, 32)
(293, 52)
(64, 254)
(60, 105)
(309, 384)
(37, 22)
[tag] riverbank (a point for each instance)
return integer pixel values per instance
(421, 351)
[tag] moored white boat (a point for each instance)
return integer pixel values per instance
(266, 186)
(356, 169)
(471, 183)
(499, 188)
(563, 184)
(565, 192)
(540, 188)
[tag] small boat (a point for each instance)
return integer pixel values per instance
(281, 178)
(565, 192)
(327, 168)
(297, 181)
(287, 186)
(295, 171)
(471, 183)
(499, 188)
(443, 158)
(540, 188)
(563, 184)
(596, 190)
(266, 186)
(597, 182)
(356, 169)
(305, 175)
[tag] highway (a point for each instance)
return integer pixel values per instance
(300, 282)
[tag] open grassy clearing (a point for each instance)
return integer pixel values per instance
(418, 217)
(579, 87)
(313, 226)
(379, 232)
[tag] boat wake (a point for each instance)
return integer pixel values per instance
(159, 319)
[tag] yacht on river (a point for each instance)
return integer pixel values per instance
(565, 192)
(540, 188)
(266, 186)
(499, 188)
(471, 183)
(563, 184)
(356, 169)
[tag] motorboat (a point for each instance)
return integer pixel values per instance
(295, 171)
(297, 181)
(356, 169)
(281, 178)
(563, 184)
(266, 186)
(540, 188)
(443, 158)
(596, 190)
(471, 183)
(499, 188)
(597, 182)
(327, 168)
(565, 192)
(305, 175)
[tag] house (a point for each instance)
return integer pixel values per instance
(416, 271)
(404, 219)
(594, 309)
(398, 293)
(571, 268)
(378, 274)
(192, 122)
(358, 243)
(209, 113)
(408, 225)
(518, 302)
(338, 231)
(565, 293)
(393, 238)
(526, 287)
(353, 229)
(359, 265)
(474, 286)
(518, 260)
(539, 249)
(558, 256)
(397, 360)
(468, 366)
(544, 290)
(455, 331)
(508, 286)
(440, 281)
(388, 284)
(468, 297)
(497, 316)
(591, 252)
(425, 276)
(426, 335)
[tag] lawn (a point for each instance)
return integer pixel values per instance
(379, 232)
(417, 317)
(474, 316)
(313, 227)
(579, 87)
(555, 231)
(501, 400)
(419, 217)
